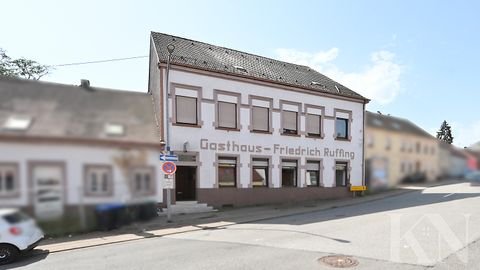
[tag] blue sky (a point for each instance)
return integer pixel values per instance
(414, 59)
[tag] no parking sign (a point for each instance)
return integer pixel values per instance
(169, 167)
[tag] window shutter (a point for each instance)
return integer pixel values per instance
(313, 124)
(290, 120)
(186, 108)
(313, 166)
(227, 115)
(260, 118)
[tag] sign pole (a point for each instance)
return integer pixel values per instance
(169, 197)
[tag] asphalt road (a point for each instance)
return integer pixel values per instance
(436, 228)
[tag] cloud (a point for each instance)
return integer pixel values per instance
(379, 80)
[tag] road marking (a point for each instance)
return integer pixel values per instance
(448, 195)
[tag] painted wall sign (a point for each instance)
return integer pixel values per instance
(232, 146)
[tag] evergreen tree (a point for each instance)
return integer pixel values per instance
(445, 133)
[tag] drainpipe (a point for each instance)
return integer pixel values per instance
(170, 49)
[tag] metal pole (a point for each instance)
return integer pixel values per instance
(170, 48)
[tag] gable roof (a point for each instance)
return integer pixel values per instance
(204, 56)
(395, 124)
(74, 112)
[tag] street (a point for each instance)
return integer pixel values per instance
(434, 228)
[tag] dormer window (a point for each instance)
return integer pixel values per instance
(240, 68)
(114, 129)
(18, 123)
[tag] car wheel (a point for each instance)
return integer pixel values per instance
(8, 253)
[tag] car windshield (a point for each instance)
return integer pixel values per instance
(16, 217)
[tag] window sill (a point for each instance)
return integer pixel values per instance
(12, 195)
(260, 187)
(314, 136)
(343, 139)
(291, 135)
(227, 129)
(186, 125)
(92, 195)
(260, 132)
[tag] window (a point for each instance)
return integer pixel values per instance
(314, 125)
(388, 144)
(418, 147)
(142, 181)
(186, 110)
(259, 172)
(341, 128)
(289, 173)
(227, 114)
(313, 174)
(402, 167)
(370, 140)
(260, 119)
(289, 122)
(98, 180)
(341, 174)
(8, 179)
(227, 172)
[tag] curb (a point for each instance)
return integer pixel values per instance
(348, 203)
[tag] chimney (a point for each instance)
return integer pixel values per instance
(85, 83)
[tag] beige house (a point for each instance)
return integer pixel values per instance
(397, 150)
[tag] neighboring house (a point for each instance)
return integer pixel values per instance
(397, 150)
(250, 129)
(458, 164)
(65, 149)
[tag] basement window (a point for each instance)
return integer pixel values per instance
(18, 123)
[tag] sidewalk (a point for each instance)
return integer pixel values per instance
(194, 222)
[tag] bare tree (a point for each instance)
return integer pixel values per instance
(21, 67)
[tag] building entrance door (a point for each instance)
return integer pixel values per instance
(185, 183)
(48, 196)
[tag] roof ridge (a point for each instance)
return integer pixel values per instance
(103, 89)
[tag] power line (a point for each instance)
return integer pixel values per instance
(101, 61)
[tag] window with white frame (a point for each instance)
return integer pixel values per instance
(341, 128)
(341, 174)
(142, 180)
(260, 172)
(186, 110)
(290, 122)
(227, 171)
(313, 173)
(227, 114)
(8, 179)
(313, 125)
(260, 119)
(99, 180)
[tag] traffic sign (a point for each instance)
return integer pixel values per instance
(168, 183)
(169, 167)
(164, 157)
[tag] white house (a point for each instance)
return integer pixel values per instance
(252, 130)
(65, 149)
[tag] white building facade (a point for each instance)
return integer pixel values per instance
(243, 140)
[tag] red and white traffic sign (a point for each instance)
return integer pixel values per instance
(169, 167)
